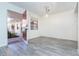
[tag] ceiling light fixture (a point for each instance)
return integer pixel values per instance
(46, 15)
(47, 9)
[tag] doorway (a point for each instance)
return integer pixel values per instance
(16, 27)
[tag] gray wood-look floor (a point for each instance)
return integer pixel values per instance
(41, 46)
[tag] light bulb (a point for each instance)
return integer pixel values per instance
(46, 15)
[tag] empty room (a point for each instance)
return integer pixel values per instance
(39, 29)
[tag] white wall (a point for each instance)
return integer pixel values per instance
(3, 20)
(61, 25)
(31, 33)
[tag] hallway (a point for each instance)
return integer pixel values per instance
(15, 40)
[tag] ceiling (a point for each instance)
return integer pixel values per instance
(39, 7)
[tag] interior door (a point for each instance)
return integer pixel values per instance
(24, 26)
